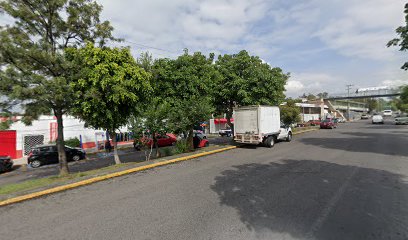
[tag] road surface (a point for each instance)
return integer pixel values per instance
(346, 183)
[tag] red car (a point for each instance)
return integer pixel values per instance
(328, 123)
(167, 139)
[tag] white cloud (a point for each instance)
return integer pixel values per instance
(308, 82)
(394, 82)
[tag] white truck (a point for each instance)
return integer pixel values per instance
(259, 125)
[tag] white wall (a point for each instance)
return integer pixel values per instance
(72, 128)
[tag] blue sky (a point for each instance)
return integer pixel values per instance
(324, 44)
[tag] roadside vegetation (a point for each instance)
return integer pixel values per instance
(55, 60)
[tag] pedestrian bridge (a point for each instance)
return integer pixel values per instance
(367, 93)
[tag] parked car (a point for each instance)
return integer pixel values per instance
(314, 122)
(377, 119)
(401, 120)
(6, 164)
(48, 154)
(163, 140)
(225, 132)
(328, 124)
(364, 116)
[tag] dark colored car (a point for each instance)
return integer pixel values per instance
(48, 154)
(6, 164)
(328, 124)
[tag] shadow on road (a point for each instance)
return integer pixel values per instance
(390, 143)
(317, 200)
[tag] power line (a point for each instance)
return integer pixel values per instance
(146, 46)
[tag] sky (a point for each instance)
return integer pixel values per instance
(323, 44)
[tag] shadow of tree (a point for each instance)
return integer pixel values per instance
(389, 143)
(317, 200)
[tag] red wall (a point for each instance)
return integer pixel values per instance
(8, 144)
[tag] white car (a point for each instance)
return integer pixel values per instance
(200, 134)
(387, 113)
(285, 133)
(377, 119)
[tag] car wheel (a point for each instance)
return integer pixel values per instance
(35, 163)
(289, 137)
(270, 142)
(76, 158)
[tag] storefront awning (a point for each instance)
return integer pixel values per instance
(222, 120)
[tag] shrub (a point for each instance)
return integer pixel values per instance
(72, 142)
(167, 152)
(181, 146)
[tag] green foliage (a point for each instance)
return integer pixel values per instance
(167, 151)
(72, 142)
(33, 68)
(182, 146)
(246, 80)
(402, 40)
(185, 84)
(290, 113)
(372, 104)
(403, 103)
(109, 86)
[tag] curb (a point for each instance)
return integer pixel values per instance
(105, 177)
(305, 131)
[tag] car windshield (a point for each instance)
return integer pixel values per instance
(326, 120)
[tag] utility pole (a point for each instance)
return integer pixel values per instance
(348, 101)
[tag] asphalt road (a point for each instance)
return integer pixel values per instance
(346, 183)
(93, 161)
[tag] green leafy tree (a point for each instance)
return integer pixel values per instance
(372, 104)
(32, 64)
(323, 95)
(246, 80)
(186, 83)
(109, 86)
(403, 103)
(290, 113)
(402, 40)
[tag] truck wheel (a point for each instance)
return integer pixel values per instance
(270, 142)
(289, 137)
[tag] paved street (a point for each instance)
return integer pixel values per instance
(346, 183)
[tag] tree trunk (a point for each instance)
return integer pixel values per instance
(190, 140)
(62, 157)
(156, 145)
(229, 116)
(115, 148)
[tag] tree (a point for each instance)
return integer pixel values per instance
(323, 95)
(186, 83)
(372, 104)
(290, 113)
(402, 40)
(403, 103)
(109, 86)
(32, 64)
(246, 80)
